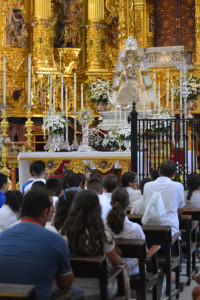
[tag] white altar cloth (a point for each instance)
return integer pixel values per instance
(25, 159)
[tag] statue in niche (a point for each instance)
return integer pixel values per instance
(16, 30)
(113, 32)
(70, 25)
(131, 78)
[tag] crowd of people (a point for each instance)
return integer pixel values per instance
(53, 218)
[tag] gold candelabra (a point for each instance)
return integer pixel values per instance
(29, 125)
(4, 126)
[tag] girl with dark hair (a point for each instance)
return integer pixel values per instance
(120, 225)
(9, 212)
(87, 236)
(193, 183)
(129, 182)
(62, 208)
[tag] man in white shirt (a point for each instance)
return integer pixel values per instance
(110, 183)
(95, 184)
(172, 194)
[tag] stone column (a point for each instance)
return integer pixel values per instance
(42, 33)
(96, 36)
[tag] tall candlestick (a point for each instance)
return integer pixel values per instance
(154, 83)
(54, 100)
(62, 93)
(66, 103)
(81, 96)
(158, 95)
(4, 80)
(144, 102)
(29, 79)
(74, 92)
(181, 99)
(50, 92)
(172, 99)
(167, 96)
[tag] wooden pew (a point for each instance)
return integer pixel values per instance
(189, 243)
(166, 261)
(133, 248)
(135, 218)
(17, 291)
(96, 267)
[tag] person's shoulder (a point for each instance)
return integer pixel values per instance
(177, 184)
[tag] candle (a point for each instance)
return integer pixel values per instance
(120, 117)
(158, 95)
(60, 60)
(181, 99)
(29, 79)
(154, 84)
(115, 116)
(144, 102)
(81, 96)
(172, 99)
(62, 93)
(167, 95)
(4, 80)
(66, 103)
(74, 92)
(54, 100)
(50, 92)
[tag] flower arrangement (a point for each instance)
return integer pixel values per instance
(193, 84)
(162, 125)
(95, 140)
(54, 123)
(124, 133)
(98, 91)
(110, 140)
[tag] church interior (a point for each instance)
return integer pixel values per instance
(53, 55)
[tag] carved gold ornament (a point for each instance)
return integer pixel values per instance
(85, 116)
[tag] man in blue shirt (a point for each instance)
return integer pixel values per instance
(30, 254)
(3, 188)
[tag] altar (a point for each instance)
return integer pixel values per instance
(78, 161)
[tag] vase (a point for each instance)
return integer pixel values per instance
(54, 142)
(127, 144)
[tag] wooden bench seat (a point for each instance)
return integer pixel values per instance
(17, 291)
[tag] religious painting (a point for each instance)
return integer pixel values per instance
(113, 32)
(16, 29)
(70, 24)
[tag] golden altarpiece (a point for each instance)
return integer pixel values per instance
(82, 37)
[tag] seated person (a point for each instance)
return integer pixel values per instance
(193, 184)
(42, 256)
(3, 188)
(129, 181)
(82, 178)
(154, 174)
(73, 182)
(54, 184)
(38, 173)
(87, 236)
(110, 183)
(138, 207)
(95, 184)
(120, 225)
(10, 211)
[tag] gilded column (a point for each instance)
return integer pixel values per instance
(96, 35)
(42, 33)
(126, 20)
(197, 30)
(3, 11)
(140, 23)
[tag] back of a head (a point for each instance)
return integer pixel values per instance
(35, 202)
(128, 177)
(64, 178)
(142, 184)
(154, 174)
(84, 226)
(37, 168)
(95, 184)
(110, 183)
(73, 180)
(14, 200)
(38, 184)
(193, 183)
(96, 175)
(82, 178)
(167, 168)
(62, 208)
(3, 179)
(116, 216)
(55, 185)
